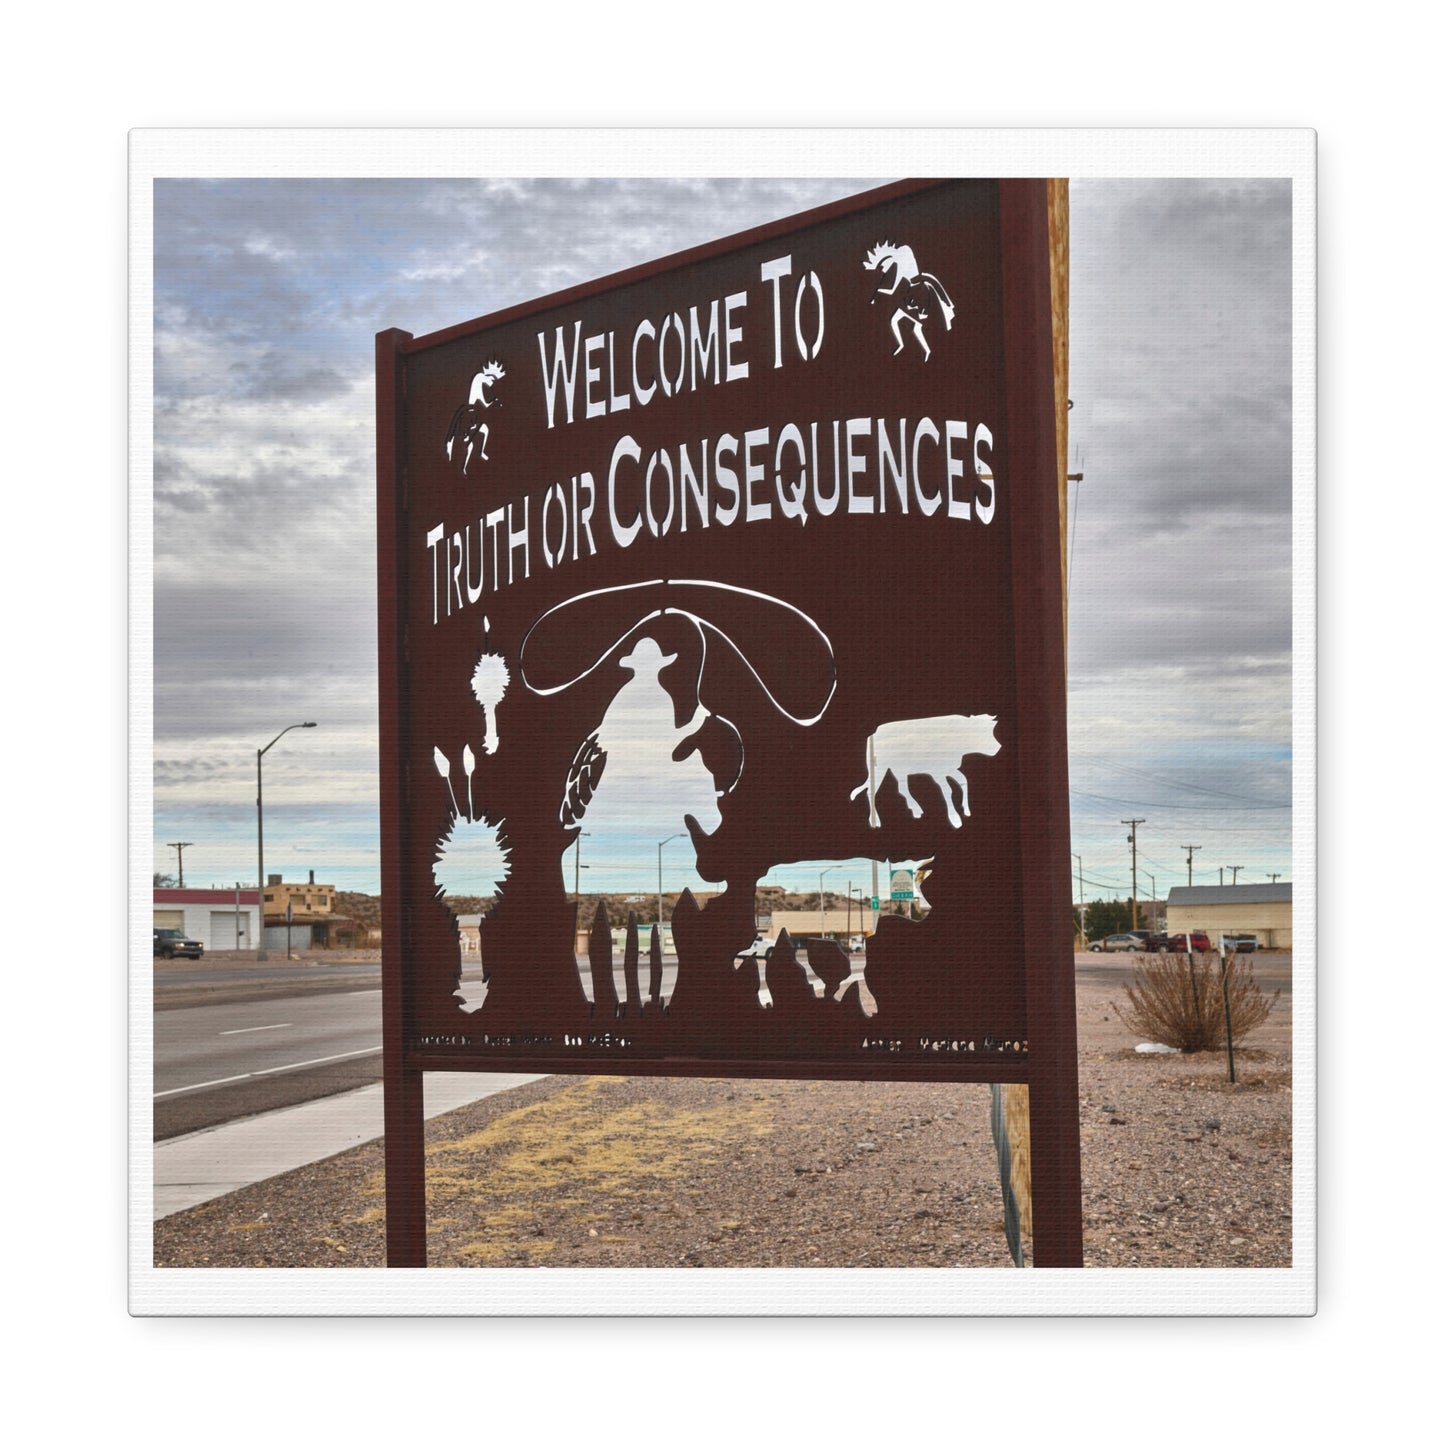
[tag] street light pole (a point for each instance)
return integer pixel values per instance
(1078, 858)
(822, 906)
(577, 866)
(261, 846)
(660, 847)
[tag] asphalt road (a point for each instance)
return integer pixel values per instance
(243, 1039)
(223, 1061)
(182, 984)
(233, 1038)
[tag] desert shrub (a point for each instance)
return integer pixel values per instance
(1178, 999)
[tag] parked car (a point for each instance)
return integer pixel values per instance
(1196, 942)
(1241, 942)
(1117, 943)
(172, 943)
(1151, 942)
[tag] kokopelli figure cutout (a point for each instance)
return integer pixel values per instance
(921, 292)
(468, 435)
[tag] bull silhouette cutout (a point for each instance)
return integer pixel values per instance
(931, 747)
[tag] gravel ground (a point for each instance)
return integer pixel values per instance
(1180, 1169)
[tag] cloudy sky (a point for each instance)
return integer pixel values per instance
(267, 297)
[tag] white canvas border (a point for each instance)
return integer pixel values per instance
(1278, 153)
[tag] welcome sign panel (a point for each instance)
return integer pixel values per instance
(709, 567)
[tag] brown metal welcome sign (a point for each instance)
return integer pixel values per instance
(751, 555)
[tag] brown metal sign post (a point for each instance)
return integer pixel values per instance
(753, 551)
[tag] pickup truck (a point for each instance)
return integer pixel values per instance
(172, 943)
(760, 947)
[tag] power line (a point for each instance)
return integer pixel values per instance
(1183, 807)
(1105, 885)
(1164, 868)
(1168, 783)
(1274, 832)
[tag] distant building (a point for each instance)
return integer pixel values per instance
(812, 923)
(314, 922)
(1263, 909)
(218, 918)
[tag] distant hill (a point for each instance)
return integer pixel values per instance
(365, 909)
(362, 908)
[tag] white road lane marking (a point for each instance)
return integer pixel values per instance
(257, 1029)
(259, 1073)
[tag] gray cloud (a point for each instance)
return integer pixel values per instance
(1180, 364)
(276, 377)
(1180, 375)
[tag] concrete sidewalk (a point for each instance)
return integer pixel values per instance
(193, 1168)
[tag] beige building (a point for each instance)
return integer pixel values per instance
(837, 921)
(1263, 909)
(314, 921)
(313, 898)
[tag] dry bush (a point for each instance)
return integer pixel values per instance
(1178, 999)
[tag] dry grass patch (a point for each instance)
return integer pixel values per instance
(508, 1190)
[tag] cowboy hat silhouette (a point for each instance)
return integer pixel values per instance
(788, 655)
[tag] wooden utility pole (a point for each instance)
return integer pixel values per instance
(1133, 824)
(1014, 1101)
(1191, 849)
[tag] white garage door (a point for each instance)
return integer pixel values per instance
(223, 929)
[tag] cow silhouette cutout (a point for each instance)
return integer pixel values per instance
(931, 747)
